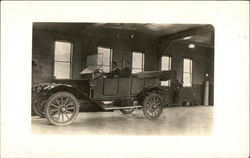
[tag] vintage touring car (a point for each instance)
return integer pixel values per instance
(60, 102)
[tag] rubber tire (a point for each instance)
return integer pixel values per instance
(144, 106)
(51, 98)
(124, 111)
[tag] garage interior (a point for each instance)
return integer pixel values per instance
(186, 48)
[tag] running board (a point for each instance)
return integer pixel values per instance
(117, 108)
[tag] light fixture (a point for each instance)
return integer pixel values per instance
(191, 46)
(187, 38)
(132, 36)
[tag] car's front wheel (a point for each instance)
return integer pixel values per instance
(61, 108)
(152, 106)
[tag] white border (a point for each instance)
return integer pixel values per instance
(231, 22)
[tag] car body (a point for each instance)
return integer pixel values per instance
(61, 100)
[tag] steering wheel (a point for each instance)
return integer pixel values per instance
(100, 73)
(100, 70)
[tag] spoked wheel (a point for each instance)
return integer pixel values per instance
(127, 111)
(61, 108)
(152, 106)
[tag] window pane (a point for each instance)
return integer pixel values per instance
(105, 55)
(105, 58)
(165, 63)
(187, 72)
(62, 51)
(106, 68)
(136, 70)
(187, 80)
(186, 66)
(137, 60)
(165, 83)
(62, 70)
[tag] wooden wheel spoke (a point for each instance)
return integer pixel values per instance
(70, 104)
(148, 107)
(157, 104)
(62, 101)
(69, 111)
(62, 117)
(156, 111)
(53, 110)
(53, 115)
(71, 108)
(58, 102)
(66, 101)
(149, 103)
(55, 106)
(59, 114)
(151, 113)
(66, 115)
(151, 100)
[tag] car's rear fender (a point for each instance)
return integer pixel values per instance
(143, 93)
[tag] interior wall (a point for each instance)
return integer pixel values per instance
(85, 44)
(122, 43)
(202, 63)
(43, 54)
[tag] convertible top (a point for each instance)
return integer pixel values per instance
(162, 75)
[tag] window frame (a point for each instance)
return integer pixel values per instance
(143, 60)
(70, 62)
(169, 81)
(191, 80)
(111, 55)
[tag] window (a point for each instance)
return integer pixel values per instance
(63, 60)
(187, 72)
(137, 62)
(165, 65)
(105, 58)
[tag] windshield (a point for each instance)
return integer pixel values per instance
(96, 61)
(101, 60)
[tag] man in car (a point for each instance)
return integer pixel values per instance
(115, 70)
(126, 71)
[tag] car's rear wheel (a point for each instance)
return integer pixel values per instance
(62, 108)
(127, 111)
(152, 106)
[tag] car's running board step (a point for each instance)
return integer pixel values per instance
(117, 108)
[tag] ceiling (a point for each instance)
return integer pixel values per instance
(156, 30)
(178, 32)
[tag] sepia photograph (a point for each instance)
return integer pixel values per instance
(122, 78)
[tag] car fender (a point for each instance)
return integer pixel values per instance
(143, 93)
(54, 88)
